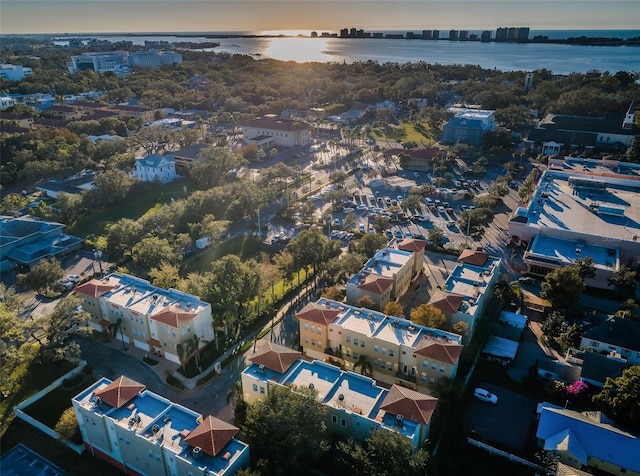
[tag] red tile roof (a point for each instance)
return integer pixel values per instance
(478, 258)
(376, 284)
(412, 244)
(276, 357)
(94, 288)
(174, 316)
(120, 391)
(211, 435)
(318, 314)
(440, 350)
(410, 404)
(447, 302)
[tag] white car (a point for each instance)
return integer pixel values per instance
(74, 278)
(361, 228)
(485, 396)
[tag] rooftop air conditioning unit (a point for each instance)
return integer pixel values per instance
(197, 452)
(261, 367)
(341, 397)
(400, 417)
(155, 428)
(311, 386)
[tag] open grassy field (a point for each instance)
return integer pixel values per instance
(149, 198)
(244, 246)
(406, 132)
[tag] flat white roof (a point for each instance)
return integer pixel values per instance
(557, 205)
(567, 251)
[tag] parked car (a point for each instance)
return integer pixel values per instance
(485, 395)
(529, 281)
(65, 284)
(336, 222)
(361, 228)
(74, 278)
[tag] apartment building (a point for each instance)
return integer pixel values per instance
(154, 58)
(14, 72)
(397, 350)
(100, 62)
(142, 433)
(581, 207)
(168, 323)
(271, 131)
(356, 404)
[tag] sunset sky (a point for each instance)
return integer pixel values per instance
(84, 16)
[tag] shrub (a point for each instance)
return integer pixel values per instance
(67, 425)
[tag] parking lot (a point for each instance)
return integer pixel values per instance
(507, 422)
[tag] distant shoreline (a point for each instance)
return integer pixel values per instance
(538, 39)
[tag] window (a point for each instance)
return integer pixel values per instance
(594, 343)
(442, 369)
(319, 330)
(320, 344)
(384, 351)
(391, 353)
(355, 341)
(255, 387)
(348, 352)
(390, 365)
(362, 344)
(348, 339)
(375, 363)
(434, 366)
(261, 390)
(381, 363)
(425, 363)
(306, 326)
(313, 342)
(306, 340)
(313, 328)
(355, 355)
(376, 348)
(432, 380)
(334, 419)
(343, 422)
(423, 376)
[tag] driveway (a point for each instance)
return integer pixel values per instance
(507, 422)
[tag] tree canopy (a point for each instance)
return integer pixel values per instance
(287, 431)
(621, 397)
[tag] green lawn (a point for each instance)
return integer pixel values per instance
(406, 132)
(149, 198)
(243, 246)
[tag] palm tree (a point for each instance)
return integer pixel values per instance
(117, 326)
(365, 366)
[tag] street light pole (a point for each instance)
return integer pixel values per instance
(466, 238)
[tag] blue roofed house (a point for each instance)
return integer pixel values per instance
(156, 168)
(355, 404)
(588, 441)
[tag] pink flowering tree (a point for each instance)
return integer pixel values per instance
(577, 391)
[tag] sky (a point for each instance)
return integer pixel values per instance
(133, 16)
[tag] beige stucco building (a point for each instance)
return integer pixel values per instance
(168, 323)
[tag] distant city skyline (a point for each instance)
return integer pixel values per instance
(304, 16)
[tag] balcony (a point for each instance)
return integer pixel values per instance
(407, 377)
(334, 352)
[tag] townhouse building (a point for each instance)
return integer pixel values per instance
(271, 131)
(468, 288)
(397, 350)
(386, 276)
(168, 323)
(355, 404)
(142, 433)
(145, 114)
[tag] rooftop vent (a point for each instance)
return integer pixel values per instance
(341, 397)
(167, 419)
(197, 452)
(261, 367)
(311, 386)
(155, 429)
(399, 417)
